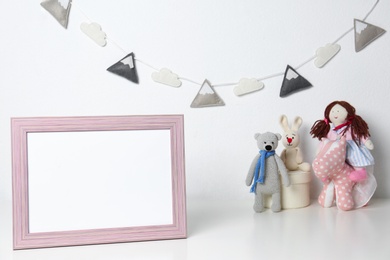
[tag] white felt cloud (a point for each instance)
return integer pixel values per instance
(94, 31)
(246, 86)
(167, 77)
(325, 54)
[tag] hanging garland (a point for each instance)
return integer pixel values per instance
(293, 82)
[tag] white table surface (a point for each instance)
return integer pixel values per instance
(232, 230)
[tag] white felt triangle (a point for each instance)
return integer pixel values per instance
(207, 97)
(365, 34)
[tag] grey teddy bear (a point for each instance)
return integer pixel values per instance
(264, 172)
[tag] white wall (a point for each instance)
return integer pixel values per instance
(49, 71)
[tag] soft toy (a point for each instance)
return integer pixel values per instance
(291, 155)
(340, 119)
(264, 172)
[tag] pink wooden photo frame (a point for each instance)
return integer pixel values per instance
(26, 238)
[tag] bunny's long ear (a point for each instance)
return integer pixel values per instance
(297, 123)
(284, 123)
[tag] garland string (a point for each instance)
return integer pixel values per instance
(228, 83)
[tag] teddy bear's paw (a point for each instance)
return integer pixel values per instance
(276, 207)
(258, 208)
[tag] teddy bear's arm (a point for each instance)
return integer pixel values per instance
(251, 171)
(283, 155)
(283, 171)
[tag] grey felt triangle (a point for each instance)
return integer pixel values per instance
(126, 68)
(293, 82)
(365, 34)
(58, 11)
(207, 97)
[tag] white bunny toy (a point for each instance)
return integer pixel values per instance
(291, 155)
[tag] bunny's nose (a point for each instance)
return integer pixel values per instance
(289, 140)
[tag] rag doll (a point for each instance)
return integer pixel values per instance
(340, 119)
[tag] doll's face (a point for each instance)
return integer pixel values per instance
(338, 115)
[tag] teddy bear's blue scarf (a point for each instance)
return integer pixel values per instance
(260, 168)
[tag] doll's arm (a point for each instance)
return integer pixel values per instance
(369, 144)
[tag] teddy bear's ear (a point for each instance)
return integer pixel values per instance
(284, 122)
(279, 136)
(297, 123)
(257, 135)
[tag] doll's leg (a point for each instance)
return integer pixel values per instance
(327, 195)
(344, 197)
(259, 202)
